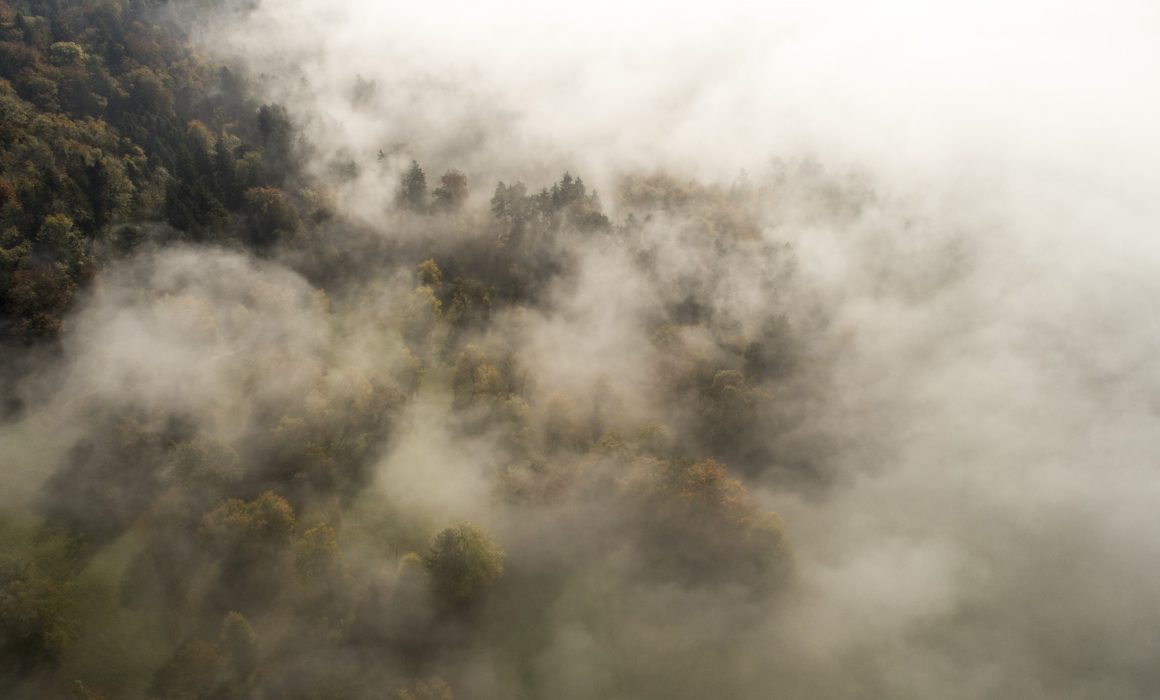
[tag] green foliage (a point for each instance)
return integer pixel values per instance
(463, 561)
(249, 530)
(430, 275)
(105, 118)
(413, 189)
(476, 376)
(206, 464)
(239, 644)
(326, 446)
(421, 312)
(37, 618)
(323, 578)
(270, 215)
(728, 407)
(316, 554)
(567, 204)
(561, 424)
(59, 241)
(235, 512)
(66, 53)
(511, 202)
(276, 132)
(470, 304)
(37, 297)
(720, 530)
(111, 477)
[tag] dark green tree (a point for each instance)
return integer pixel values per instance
(36, 618)
(463, 561)
(413, 188)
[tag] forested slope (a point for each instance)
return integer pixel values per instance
(112, 125)
(301, 458)
(578, 351)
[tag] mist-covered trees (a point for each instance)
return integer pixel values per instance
(449, 196)
(37, 618)
(104, 119)
(246, 531)
(720, 530)
(567, 203)
(413, 188)
(462, 561)
(214, 668)
(475, 377)
(254, 491)
(109, 478)
(323, 581)
(270, 215)
(452, 191)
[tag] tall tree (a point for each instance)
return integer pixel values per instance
(463, 561)
(413, 189)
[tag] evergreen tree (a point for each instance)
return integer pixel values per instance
(413, 189)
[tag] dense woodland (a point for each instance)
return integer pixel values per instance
(174, 553)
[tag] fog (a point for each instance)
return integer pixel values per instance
(951, 216)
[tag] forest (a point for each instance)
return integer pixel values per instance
(322, 382)
(219, 532)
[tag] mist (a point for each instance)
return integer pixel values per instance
(884, 278)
